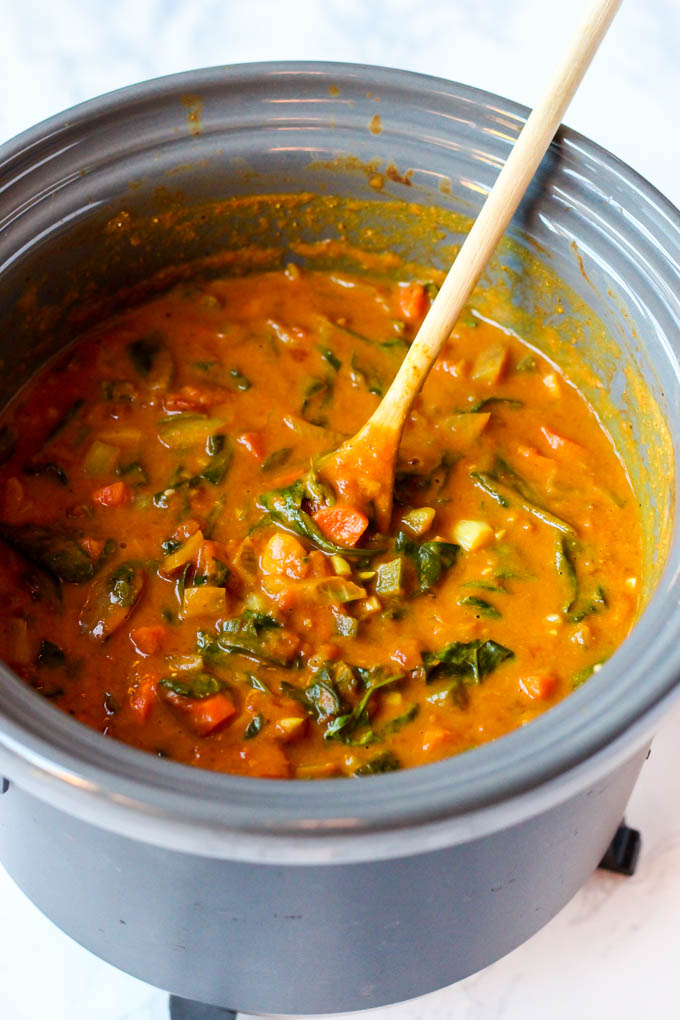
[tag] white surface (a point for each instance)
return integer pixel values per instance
(614, 951)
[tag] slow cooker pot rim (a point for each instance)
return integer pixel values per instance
(51, 743)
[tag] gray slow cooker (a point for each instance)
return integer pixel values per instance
(333, 896)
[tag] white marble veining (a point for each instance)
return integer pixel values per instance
(613, 951)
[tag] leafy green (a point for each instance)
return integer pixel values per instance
(469, 662)
(257, 635)
(595, 604)
(254, 727)
(333, 361)
(409, 485)
(134, 473)
(584, 674)
(506, 487)
(218, 375)
(65, 420)
(56, 551)
(368, 376)
(277, 458)
(285, 507)
(431, 558)
(480, 606)
(317, 395)
(196, 684)
(111, 600)
(343, 726)
(484, 402)
(387, 761)
(566, 568)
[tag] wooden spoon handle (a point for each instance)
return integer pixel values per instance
(496, 213)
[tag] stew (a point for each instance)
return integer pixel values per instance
(176, 575)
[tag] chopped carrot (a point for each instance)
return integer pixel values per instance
(206, 715)
(412, 302)
(342, 524)
(148, 640)
(538, 686)
(142, 697)
(116, 494)
(252, 442)
(560, 444)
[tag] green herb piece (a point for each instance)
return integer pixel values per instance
(168, 615)
(254, 727)
(180, 431)
(396, 344)
(506, 487)
(485, 586)
(584, 674)
(367, 376)
(277, 458)
(480, 606)
(322, 696)
(193, 685)
(317, 395)
(385, 762)
(58, 552)
(50, 656)
(218, 375)
(257, 635)
(49, 470)
(333, 361)
(344, 726)
(111, 600)
(170, 545)
(467, 662)
(221, 454)
(566, 568)
(595, 604)
(431, 558)
(484, 402)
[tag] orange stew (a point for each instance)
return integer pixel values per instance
(176, 575)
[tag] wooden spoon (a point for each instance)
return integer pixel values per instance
(362, 469)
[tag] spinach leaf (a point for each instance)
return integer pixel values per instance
(385, 762)
(254, 727)
(565, 565)
(480, 606)
(409, 486)
(469, 662)
(133, 473)
(344, 725)
(431, 558)
(484, 402)
(367, 376)
(257, 635)
(285, 507)
(595, 604)
(277, 458)
(57, 552)
(230, 379)
(65, 420)
(196, 684)
(333, 361)
(506, 487)
(111, 600)
(316, 396)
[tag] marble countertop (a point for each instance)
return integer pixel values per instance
(613, 951)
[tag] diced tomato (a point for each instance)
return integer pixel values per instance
(253, 443)
(206, 715)
(561, 445)
(344, 525)
(538, 686)
(142, 698)
(412, 302)
(189, 398)
(116, 494)
(148, 640)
